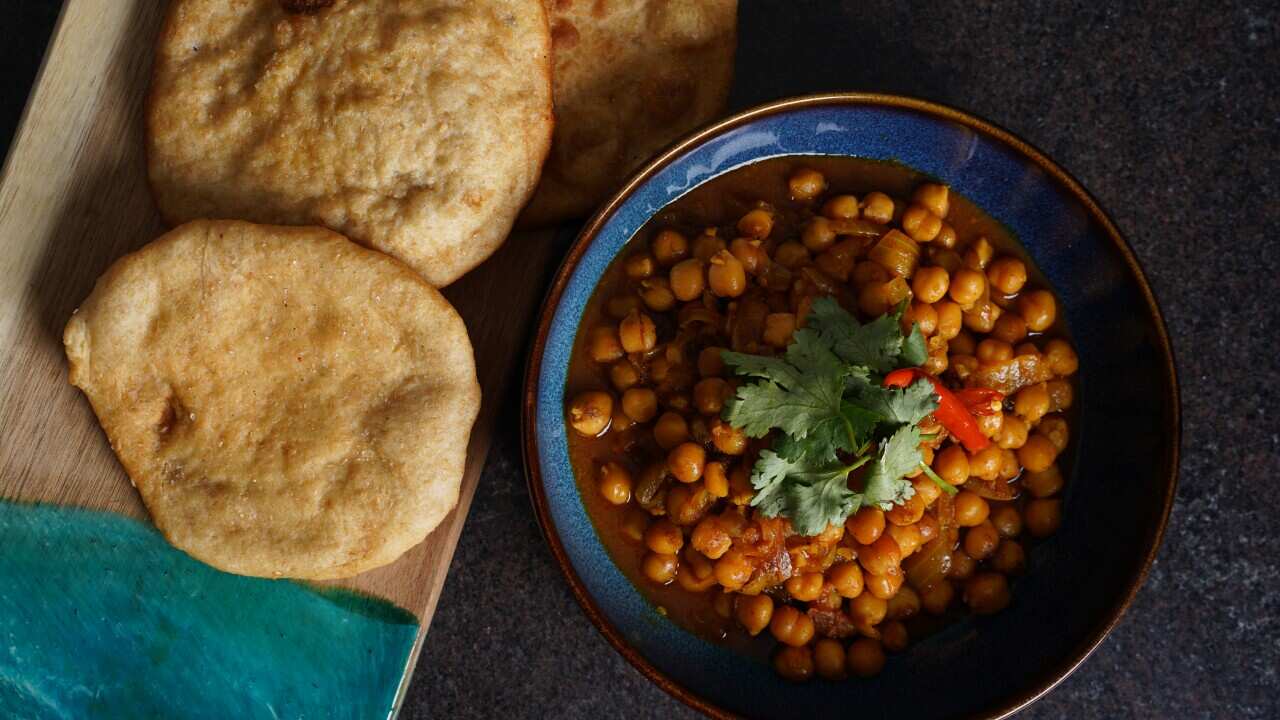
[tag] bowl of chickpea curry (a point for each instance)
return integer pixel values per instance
(848, 399)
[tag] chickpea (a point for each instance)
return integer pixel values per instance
(840, 207)
(907, 513)
(728, 439)
(934, 197)
(658, 568)
(749, 252)
(1013, 433)
(1007, 521)
(590, 413)
(806, 184)
(1009, 327)
(794, 663)
(663, 537)
(790, 626)
(930, 284)
(1009, 467)
(921, 224)
(867, 609)
(971, 509)
(1043, 517)
(709, 395)
(778, 329)
(866, 525)
(866, 657)
(685, 461)
(710, 362)
(604, 345)
(687, 504)
(963, 365)
(928, 492)
(967, 287)
(950, 318)
(936, 363)
(1031, 403)
(687, 279)
(846, 578)
(962, 566)
(670, 247)
(710, 538)
(716, 479)
(637, 332)
(893, 635)
(952, 465)
(867, 273)
(982, 316)
(963, 344)
(791, 255)
(634, 523)
(640, 404)
(990, 424)
(937, 599)
(740, 490)
(757, 223)
(623, 375)
(670, 430)
(1007, 275)
(726, 275)
(904, 604)
(1055, 428)
(640, 265)
(980, 542)
(992, 351)
(656, 294)
(921, 314)
(1010, 558)
(1061, 357)
(805, 587)
(873, 299)
(945, 258)
(818, 234)
(880, 557)
(829, 659)
(987, 593)
(620, 421)
(733, 569)
(907, 537)
(1039, 309)
(615, 483)
(929, 526)
(877, 207)
(1043, 484)
(753, 612)
(978, 255)
(707, 244)
(884, 586)
(1038, 453)
(690, 581)
(947, 237)
(985, 463)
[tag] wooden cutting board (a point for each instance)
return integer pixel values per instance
(73, 198)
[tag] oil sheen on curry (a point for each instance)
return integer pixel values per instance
(817, 409)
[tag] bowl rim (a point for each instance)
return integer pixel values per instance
(1057, 672)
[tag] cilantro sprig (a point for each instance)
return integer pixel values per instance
(829, 416)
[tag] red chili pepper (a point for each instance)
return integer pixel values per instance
(952, 411)
(980, 401)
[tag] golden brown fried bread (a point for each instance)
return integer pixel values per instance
(287, 402)
(630, 78)
(416, 127)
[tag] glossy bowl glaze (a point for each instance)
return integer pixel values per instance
(1118, 497)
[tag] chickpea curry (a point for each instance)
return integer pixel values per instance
(817, 411)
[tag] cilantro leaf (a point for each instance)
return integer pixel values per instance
(907, 405)
(875, 346)
(768, 477)
(896, 456)
(914, 349)
(801, 394)
(827, 500)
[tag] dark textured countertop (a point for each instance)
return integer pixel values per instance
(1170, 114)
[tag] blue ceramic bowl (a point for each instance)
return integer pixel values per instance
(1117, 501)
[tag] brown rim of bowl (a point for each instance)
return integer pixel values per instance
(1058, 672)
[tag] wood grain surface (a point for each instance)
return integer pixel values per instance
(73, 198)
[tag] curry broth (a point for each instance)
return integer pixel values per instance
(718, 204)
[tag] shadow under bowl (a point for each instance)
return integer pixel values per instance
(1122, 481)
